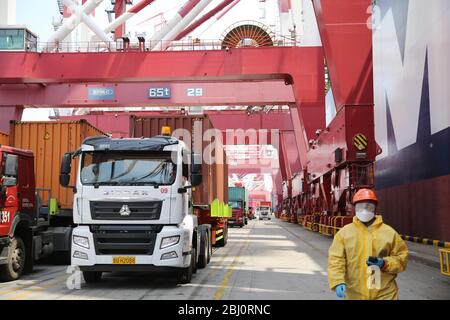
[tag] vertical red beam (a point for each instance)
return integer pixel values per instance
(278, 186)
(301, 139)
(347, 42)
(284, 159)
(119, 9)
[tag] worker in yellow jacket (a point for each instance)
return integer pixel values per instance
(366, 255)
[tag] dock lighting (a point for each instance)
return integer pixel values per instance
(165, 131)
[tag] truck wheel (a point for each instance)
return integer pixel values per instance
(185, 275)
(15, 265)
(194, 269)
(92, 276)
(209, 248)
(203, 256)
(225, 236)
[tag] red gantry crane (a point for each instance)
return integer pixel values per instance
(333, 161)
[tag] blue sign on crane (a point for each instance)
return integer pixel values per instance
(101, 93)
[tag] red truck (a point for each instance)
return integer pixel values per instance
(35, 211)
(238, 201)
(27, 231)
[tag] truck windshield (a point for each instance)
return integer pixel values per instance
(127, 168)
(235, 204)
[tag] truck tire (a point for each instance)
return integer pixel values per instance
(15, 265)
(92, 276)
(225, 236)
(204, 251)
(185, 275)
(209, 247)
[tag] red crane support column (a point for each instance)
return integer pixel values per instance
(347, 41)
(285, 167)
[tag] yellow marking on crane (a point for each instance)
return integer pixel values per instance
(360, 141)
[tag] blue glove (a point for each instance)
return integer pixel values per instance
(340, 290)
(373, 261)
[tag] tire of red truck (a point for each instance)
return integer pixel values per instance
(92, 276)
(15, 265)
(185, 275)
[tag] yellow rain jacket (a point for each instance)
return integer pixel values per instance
(348, 254)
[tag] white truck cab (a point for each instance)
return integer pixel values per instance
(133, 206)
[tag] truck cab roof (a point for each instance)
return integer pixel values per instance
(22, 152)
(156, 143)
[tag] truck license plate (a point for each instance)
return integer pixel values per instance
(124, 260)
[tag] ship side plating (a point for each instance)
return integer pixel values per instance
(412, 117)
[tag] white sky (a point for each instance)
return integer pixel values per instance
(39, 18)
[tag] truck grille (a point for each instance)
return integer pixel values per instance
(125, 239)
(110, 210)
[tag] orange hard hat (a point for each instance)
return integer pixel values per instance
(365, 195)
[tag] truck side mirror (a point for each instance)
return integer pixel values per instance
(66, 167)
(196, 179)
(196, 167)
(11, 165)
(9, 181)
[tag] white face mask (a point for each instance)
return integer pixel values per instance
(365, 211)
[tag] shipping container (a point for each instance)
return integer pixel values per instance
(49, 141)
(215, 173)
(4, 139)
(115, 124)
(238, 194)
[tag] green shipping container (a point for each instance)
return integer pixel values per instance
(238, 194)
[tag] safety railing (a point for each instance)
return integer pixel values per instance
(144, 46)
(326, 225)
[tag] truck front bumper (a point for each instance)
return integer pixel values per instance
(233, 222)
(90, 259)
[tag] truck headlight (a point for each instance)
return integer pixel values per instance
(169, 241)
(169, 255)
(80, 255)
(81, 241)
